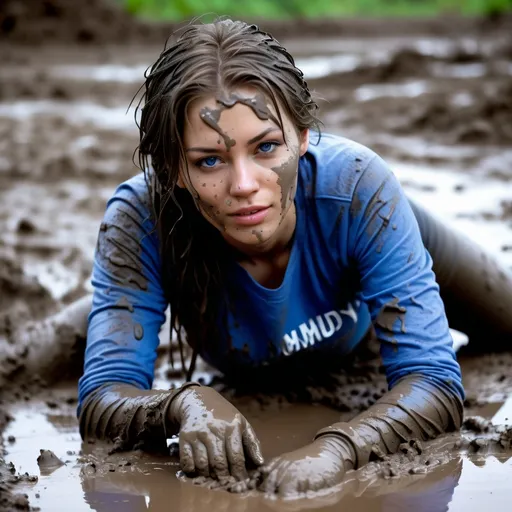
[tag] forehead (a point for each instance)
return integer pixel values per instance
(242, 108)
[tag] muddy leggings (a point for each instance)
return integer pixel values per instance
(476, 289)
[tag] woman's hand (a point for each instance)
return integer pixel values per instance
(317, 466)
(214, 437)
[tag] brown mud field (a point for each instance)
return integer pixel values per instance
(433, 98)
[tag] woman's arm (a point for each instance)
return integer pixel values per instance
(398, 284)
(395, 271)
(115, 398)
(116, 401)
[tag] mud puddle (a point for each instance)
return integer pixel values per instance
(474, 205)
(89, 479)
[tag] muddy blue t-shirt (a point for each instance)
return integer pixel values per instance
(357, 258)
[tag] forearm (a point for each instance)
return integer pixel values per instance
(416, 408)
(127, 415)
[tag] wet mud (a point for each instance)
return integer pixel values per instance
(432, 97)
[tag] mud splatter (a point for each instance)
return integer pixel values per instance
(124, 303)
(258, 234)
(119, 247)
(377, 223)
(389, 314)
(138, 331)
(287, 178)
(211, 118)
(339, 218)
(257, 103)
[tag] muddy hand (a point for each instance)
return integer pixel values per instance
(215, 438)
(317, 466)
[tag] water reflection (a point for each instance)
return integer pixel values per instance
(157, 490)
(138, 481)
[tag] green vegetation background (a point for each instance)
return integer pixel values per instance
(179, 9)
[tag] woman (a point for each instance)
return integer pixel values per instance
(267, 240)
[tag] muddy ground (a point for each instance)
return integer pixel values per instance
(434, 98)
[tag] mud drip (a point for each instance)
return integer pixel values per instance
(212, 116)
(287, 178)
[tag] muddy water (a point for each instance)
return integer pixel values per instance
(437, 107)
(91, 479)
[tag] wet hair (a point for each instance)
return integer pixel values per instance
(202, 60)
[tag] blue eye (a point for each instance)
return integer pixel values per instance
(209, 161)
(267, 147)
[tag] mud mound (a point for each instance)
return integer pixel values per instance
(94, 21)
(487, 119)
(59, 150)
(14, 285)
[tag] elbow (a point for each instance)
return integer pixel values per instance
(91, 406)
(437, 401)
(448, 397)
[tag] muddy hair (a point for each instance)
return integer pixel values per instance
(202, 60)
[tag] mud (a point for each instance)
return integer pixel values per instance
(257, 104)
(432, 97)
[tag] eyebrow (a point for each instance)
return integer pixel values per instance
(251, 141)
(262, 134)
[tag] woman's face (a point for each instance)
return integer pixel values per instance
(241, 169)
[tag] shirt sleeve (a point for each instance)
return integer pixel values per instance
(128, 301)
(398, 283)
(399, 286)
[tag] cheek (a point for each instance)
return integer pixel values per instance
(287, 174)
(209, 187)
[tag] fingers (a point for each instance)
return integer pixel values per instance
(201, 458)
(186, 457)
(235, 454)
(217, 456)
(252, 445)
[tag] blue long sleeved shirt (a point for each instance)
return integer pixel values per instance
(357, 258)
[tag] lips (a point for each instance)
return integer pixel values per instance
(244, 212)
(250, 216)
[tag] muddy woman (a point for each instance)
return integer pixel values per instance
(273, 243)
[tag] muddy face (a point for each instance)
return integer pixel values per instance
(287, 180)
(242, 167)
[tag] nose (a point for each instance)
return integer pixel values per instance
(244, 180)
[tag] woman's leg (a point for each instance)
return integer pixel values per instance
(475, 287)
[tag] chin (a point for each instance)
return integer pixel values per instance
(250, 236)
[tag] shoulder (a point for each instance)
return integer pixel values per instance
(127, 240)
(131, 198)
(128, 219)
(134, 191)
(333, 166)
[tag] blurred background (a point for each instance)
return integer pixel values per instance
(290, 9)
(426, 83)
